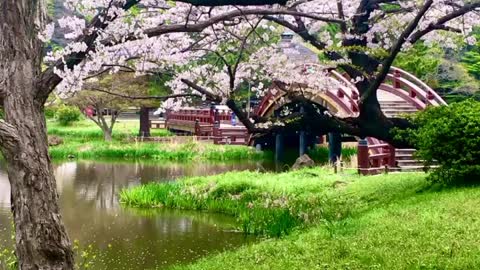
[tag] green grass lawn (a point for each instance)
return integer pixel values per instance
(84, 140)
(332, 221)
(87, 130)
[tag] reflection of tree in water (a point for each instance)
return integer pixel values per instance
(139, 239)
(101, 182)
(144, 240)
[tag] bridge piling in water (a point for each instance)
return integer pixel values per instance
(278, 147)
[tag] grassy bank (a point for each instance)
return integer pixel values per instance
(84, 140)
(86, 130)
(274, 204)
(394, 221)
(155, 151)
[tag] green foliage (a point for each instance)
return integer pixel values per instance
(51, 112)
(320, 154)
(51, 8)
(471, 57)
(472, 62)
(2, 114)
(66, 115)
(449, 135)
(8, 260)
(422, 61)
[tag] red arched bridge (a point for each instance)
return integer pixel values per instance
(400, 93)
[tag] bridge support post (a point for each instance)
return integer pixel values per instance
(278, 147)
(334, 146)
(302, 143)
(363, 157)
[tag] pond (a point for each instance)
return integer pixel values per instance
(131, 238)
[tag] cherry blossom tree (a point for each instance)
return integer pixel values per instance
(360, 37)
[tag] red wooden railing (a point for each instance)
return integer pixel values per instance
(207, 124)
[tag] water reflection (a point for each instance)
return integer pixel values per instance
(126, 238)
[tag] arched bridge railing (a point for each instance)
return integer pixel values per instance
(374, 154)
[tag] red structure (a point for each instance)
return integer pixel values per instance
(400, 93)
(207, 124)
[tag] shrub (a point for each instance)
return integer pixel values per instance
(450, 137)
(67, 115)
(320, 154)
(51, 111)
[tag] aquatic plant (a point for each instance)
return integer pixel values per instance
(155, 151)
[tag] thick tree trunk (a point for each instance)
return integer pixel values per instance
(144, 122)
(41, 239)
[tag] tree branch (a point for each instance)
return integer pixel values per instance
(49, 80)
(95, 89)
(203, 91)
(440, 23)
(9, 139)
(386, 65)
(201, 25)
(215, 3)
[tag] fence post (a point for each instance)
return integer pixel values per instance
(392, 159)
(363, 157)
(197, 128)
(396, 81)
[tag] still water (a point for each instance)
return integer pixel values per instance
(131, 238)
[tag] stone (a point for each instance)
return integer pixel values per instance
(302, 162)
(54, 140)
(339, 184)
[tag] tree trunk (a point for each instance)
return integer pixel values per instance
(107, 135)
(144, 122)
(41, 239)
